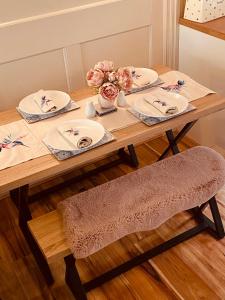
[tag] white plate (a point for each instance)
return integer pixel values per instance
(87, 128)
(143, 107)
(29, 105)
(148, 76)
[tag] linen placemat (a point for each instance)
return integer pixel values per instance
(64, 154)
(18, 144)
(31, 118)
(191, 89)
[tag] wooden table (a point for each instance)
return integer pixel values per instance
(18, 178)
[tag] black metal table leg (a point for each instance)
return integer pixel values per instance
(21, 197)
(130, 158)
(172, 143)
(176, 139)
(133, 156)
(14, 194)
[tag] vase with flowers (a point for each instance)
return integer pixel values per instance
(108, 82)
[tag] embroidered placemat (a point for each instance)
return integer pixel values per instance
(31, 118)
(62, 154)
(153, 120)
(18, 145)
(191, 89)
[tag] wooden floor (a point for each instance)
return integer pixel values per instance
(193, 270)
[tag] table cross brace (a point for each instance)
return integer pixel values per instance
(174, 140)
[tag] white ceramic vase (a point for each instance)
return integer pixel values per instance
(104, 103)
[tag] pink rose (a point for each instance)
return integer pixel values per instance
(105, 66)
(124, 78)
(95, 77)
(112, 76)
(109, 91)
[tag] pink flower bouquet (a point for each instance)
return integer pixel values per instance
(107, 81)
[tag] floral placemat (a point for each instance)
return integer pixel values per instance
(188, 88)
(154, 120)
(62, 154)
(18, 145)
(31, 118)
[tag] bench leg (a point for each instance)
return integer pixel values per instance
(216, 227)
(72, 278)
(216, 218)
(79, 290)
(20, 198)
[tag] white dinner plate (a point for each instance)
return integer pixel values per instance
(143, 107)
(86, 128)
(144, 75)
(29, 105)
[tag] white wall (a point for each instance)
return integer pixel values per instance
(203, 58)
(54, 50)
(18, 9)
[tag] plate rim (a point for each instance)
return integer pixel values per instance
(152, 70)
(47, 113)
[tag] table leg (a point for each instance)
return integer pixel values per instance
(14, 194)
(130, 158)
(21, 199)
(133, 156)
(172, 143)
(174, 140)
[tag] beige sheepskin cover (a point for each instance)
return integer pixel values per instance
(141, 200)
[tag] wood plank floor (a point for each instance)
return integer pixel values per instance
(193, 270)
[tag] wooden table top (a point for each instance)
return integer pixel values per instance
(47, 166)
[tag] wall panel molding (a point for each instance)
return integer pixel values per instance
(171, 13)
(56, 49)
(55, 31)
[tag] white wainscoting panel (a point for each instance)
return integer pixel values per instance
(26, 8)
(22, 77)
(125, 49)
(55, 49)
(56, 30)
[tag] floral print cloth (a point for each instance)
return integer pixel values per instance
(18, 144)
(189, 89)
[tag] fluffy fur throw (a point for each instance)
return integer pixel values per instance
(141, 200)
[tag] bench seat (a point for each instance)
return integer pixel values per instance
(141, 200)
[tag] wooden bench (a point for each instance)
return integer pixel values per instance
(49, 230)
